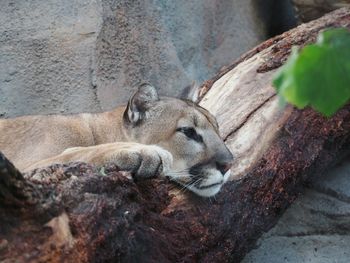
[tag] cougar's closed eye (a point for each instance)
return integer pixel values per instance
(190, 133)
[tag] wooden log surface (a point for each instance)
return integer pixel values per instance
(76, 213)
(243, 100)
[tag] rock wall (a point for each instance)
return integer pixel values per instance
(47, 56)
(86, 55)
(316, 228)
(308, 10)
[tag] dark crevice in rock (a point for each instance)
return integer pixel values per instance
(332, 193)
(315, 233)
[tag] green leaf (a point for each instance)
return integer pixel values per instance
(102, 171)
(318, 75)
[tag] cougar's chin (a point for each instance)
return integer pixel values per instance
(211, 185)
(207, 186)
(208, 191)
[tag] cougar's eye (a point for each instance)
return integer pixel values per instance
(190, 133)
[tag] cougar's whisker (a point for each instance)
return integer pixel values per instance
(185, 187)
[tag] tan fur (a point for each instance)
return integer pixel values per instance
(151, 146)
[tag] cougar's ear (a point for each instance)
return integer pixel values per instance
(191, 92)
(140, 103)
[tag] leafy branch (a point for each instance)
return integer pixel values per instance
(319, 74)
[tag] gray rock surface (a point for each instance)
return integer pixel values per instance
(308, 10)
(85, 55)
(47, 56)
(316, 228)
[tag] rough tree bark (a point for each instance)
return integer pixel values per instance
(76, 213)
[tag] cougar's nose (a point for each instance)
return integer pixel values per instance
(224, 164)
(224, 160)
(223, 167)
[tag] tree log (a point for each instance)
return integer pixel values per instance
(77, 213)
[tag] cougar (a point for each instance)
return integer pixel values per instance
(149, 136)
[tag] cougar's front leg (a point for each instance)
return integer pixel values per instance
(140, 159)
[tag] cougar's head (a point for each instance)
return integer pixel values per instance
(201, 160)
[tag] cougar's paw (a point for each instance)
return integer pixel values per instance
(145, 161)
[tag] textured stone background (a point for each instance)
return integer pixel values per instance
(316, 228)
(86, 55)
(308, 10)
